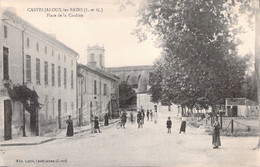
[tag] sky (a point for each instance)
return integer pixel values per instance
(112, 28)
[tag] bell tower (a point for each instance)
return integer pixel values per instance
(95, 56)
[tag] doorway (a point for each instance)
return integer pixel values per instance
(59, 113)
(7, 120)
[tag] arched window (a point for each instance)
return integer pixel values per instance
(92, 58)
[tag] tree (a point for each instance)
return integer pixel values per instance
(200, 67)
(127, 95)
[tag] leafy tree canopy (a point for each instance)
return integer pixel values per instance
(199, 66)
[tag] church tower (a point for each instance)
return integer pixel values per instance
(95, 56)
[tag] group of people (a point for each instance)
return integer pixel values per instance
(140, 121)
(169, 125)
(215, 134)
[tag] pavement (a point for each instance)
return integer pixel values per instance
(37, 140)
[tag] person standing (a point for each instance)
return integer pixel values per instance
(216, 134)
(70, 126)
(96, 125)
(139, 119)
(123, 119)
(142, 115)
(147, 115)
(169, 124)
(183, 125)
(106, 120)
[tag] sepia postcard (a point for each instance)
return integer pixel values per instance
(120, 83)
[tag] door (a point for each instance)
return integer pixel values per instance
(7, 120)
(34, 122)
(59, 113)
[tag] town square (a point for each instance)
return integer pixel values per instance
(129, 83)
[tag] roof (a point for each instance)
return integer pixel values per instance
(27, 24)
(99, 71)
(130, 68)
(240, 101)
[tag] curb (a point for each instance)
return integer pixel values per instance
(27, 144)
(49, 140)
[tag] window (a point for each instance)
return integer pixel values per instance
(52, 53)
(46, 101)
(38, 71)
(28, 43)
(65, 77)
(46, 50)
(101, 59)
(64, 58)
(52, 74)
(95, 87)
(53, 108)
(46, 73)
(72, 79)
(59, 56)
(6, 63)
(5, 31)
(92, 59)
(65, 108)
(72, 63)
(72, 107)
(28, 68)
(105, 89)
(37, 47)
(100, 90)
(59, 78)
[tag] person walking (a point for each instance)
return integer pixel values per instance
(216, 134)
(132, 117)
(92, 119)
(96, 125)
(183, 125)
(106, 120)
(147, 115)
(69, 127)
(169, 124)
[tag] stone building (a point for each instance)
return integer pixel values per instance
(97, 88)
(42, 63)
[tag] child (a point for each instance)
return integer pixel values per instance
(169, 124)
(96, 125)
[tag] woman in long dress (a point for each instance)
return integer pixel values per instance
(183, 125)
(216, 135)
(69, 127)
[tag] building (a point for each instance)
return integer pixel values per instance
(241, 107)
(138, 77)
(97, 88)
(42, 63)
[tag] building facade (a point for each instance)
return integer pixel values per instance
(138, 77)
(42, 63)
(97, 88)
